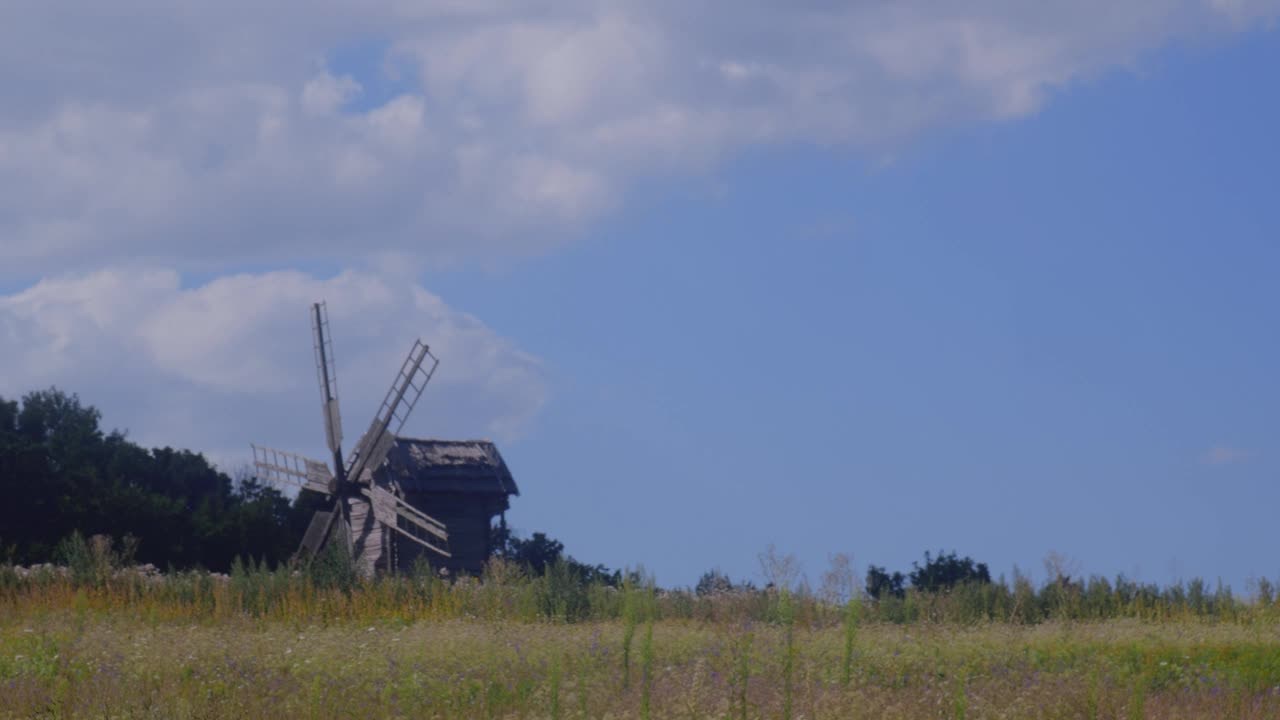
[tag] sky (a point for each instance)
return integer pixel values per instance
(873, 278)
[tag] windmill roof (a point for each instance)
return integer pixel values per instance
(454, 466)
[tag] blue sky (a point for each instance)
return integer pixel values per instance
(1050, 334)
(1020, 307)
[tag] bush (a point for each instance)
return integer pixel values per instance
(332, 568)
(92, 562)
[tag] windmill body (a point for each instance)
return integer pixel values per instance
(464, 484)
(367, 513)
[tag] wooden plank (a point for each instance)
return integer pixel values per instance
(387, 507)
(424, 543)
(316, 530)
(366, 535)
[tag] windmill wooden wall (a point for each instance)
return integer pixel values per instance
(367, 537)
(464, 484)
(468, 520)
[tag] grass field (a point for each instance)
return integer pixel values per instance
(469, 651)
(62, 665)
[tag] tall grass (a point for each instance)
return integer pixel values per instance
(646, 671)
(555, 687)
(329, 593)
(96, 575)
(787, 616)
(741, 677)
(631, 609)
(852, 616)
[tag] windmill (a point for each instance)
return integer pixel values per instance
(366, 507)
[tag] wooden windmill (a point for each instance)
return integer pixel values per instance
(368, 507)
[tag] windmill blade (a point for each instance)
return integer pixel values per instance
(327, 375)
(325, 526)
(313, 539)
(286, 468)
(388, 509)
(377, 442)
(387, 506)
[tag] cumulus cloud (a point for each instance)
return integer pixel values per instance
(202, 136)
(216, 366)
(325, 93)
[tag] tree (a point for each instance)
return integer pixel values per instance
(62, 475)
(540, 553)
(49, 446)
(714, 581)
(536, 553)
(880, 583)
(946, 571)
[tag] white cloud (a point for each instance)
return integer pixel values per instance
(209, 135)
(398, 123)
(217, 366)
(325, 93)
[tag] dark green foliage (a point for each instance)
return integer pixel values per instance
(537, 553)
(61, 474)
(881, 584)
(715, 581)
(332, 568)
(946, 571)
(563, 593)
(540, 554)
(711, 582)
(92, 561)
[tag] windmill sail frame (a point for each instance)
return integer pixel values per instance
(279, 466)
(361, 496)
(400, 400)
(327, 377)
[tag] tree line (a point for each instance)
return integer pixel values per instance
(63, 478)
(61, 473)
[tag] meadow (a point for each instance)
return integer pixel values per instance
(103, 643)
